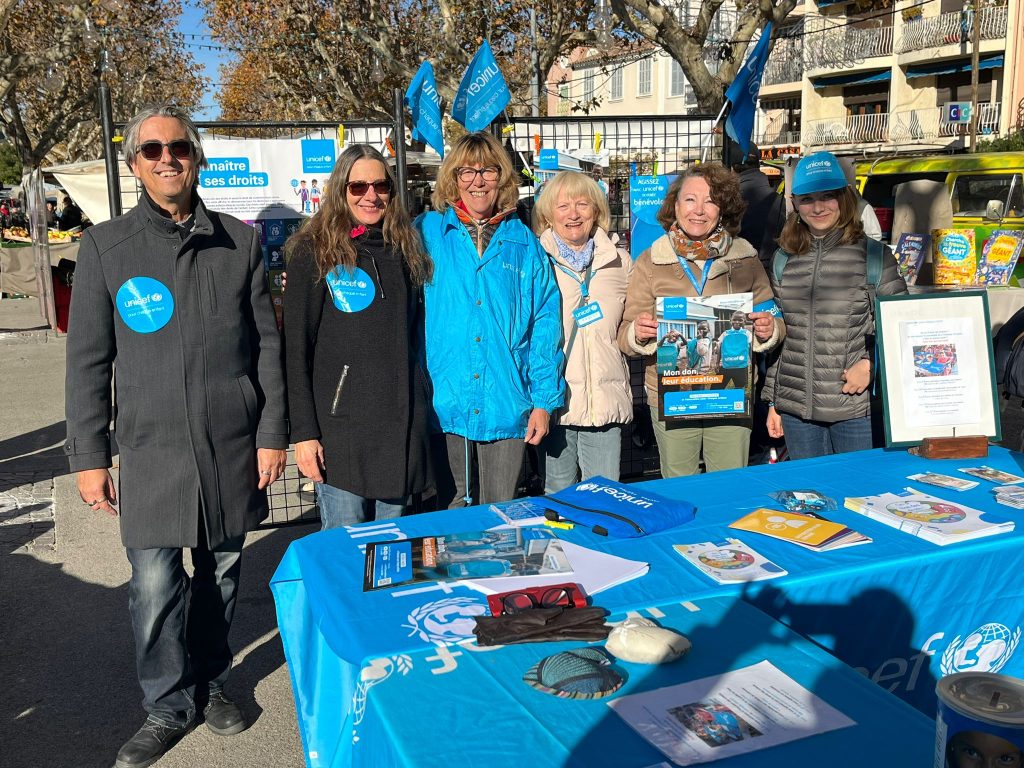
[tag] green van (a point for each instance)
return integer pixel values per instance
(986, 190)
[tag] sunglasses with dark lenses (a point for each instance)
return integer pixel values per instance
(154, 150)
(554, 596)
(360, 188)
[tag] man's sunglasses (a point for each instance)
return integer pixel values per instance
(360, 188)
(154, 150)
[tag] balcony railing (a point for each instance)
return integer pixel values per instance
(773, 128)
(784, 66)
(951, 28)
(925, 125)
(842, 47)
(853, 129)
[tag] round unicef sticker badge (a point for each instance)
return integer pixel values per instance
(351, 291)
(144, 304)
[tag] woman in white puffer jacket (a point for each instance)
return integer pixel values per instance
(571, 218)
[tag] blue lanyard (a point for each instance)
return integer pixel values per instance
(698, 287)
(584, 283)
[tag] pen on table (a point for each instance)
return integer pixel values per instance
(553, 516)
(565, 525)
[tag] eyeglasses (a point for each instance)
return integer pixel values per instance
(468, 175)
(360, 188)
(553, 596)
(154, 150)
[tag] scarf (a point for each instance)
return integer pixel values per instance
(578, 260)
(481, 230)
(711, 247)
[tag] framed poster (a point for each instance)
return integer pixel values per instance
(938, 372)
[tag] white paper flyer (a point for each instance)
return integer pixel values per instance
(741, 711)
(940, 381)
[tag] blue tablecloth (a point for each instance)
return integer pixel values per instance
(480, 713)
(902, 609)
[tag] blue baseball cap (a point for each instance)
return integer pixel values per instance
(819, 172)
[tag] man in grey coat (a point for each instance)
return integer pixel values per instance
(176, 295)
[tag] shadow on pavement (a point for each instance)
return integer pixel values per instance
(70, 696)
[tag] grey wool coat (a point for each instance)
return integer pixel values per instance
(186, 317)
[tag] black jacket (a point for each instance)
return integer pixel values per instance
(355, 380)
(765, 214)
(200, 381)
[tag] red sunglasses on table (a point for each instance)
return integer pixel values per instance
(547, 596)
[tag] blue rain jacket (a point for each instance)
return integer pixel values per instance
(493, 329)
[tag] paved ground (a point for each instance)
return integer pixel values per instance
(68, 696)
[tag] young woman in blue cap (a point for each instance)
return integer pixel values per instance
(817, 387)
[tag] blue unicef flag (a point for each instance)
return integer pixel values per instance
(743, 92)
(424, 102)
(482, 93)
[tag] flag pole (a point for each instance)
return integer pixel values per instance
(522, 157)
(711, 133)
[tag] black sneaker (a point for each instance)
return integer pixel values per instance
(223, 716)
(149, 744)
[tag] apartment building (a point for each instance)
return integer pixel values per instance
(841, 79)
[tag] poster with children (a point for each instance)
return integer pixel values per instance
(705, 355)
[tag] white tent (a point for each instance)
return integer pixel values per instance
(86, 183)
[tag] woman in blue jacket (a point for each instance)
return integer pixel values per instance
(493, 325)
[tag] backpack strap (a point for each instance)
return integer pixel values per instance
(875, 261)
(779, 264)
(876, 253)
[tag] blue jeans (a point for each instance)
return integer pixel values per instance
(807, 439)
(178, 655)
(579, 453)
(339, 508)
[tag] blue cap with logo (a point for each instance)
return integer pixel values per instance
(819, 172)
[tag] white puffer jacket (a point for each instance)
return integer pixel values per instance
(596, 372)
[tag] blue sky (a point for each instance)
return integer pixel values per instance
(191, 23)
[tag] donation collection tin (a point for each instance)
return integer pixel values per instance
(980, 721)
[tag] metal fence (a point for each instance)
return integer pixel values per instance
(622, 147)
(631, 145)
(291, 497)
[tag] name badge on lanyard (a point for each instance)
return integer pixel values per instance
(587, 314)
(698, 286)
(591, 311)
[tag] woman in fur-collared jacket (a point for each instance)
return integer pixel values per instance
(698, 255)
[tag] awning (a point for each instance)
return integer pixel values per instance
(858, 79)
(953, 66)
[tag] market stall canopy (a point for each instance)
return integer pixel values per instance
(86, 184)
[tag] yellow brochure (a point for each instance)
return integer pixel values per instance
(799, 529)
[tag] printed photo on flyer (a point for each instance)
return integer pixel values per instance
(705, 353)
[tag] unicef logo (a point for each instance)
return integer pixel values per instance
(587, 487)
(446, 621)
(986, 649)
(144, 304)
(351, 291)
